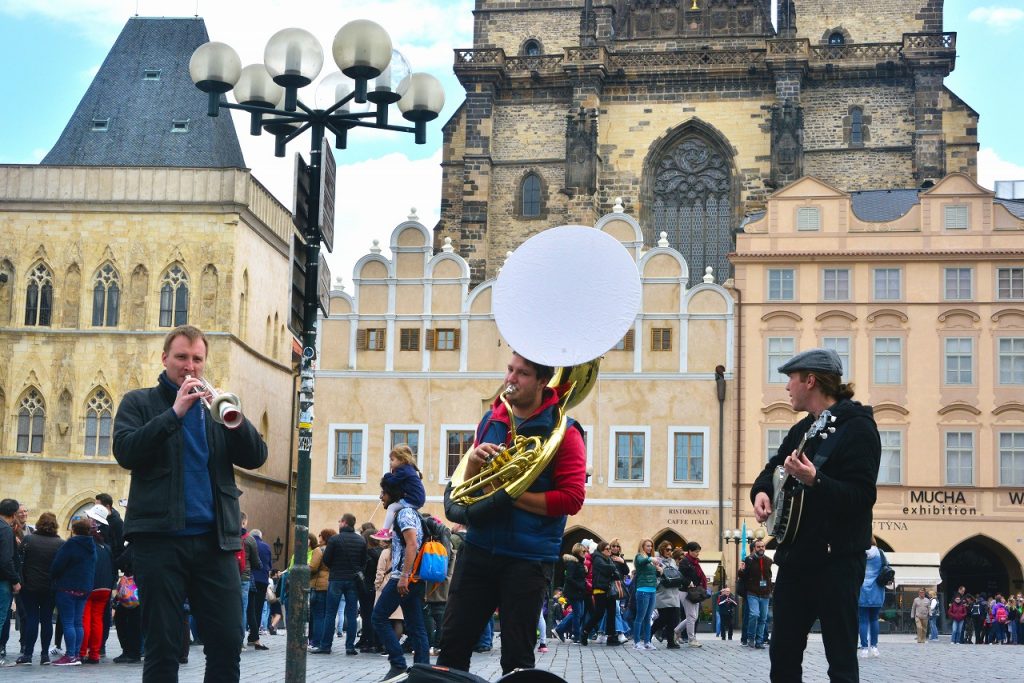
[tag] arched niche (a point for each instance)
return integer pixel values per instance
(982, 564)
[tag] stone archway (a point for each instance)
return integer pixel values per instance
(569, 539)
(982, 564)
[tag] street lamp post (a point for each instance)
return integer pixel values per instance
(369, 72)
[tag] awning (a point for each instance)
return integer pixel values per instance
(709, 563)
(916, 569)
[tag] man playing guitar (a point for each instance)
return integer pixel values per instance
(821, 566)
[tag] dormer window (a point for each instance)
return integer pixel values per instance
(179, 125)
(100, 125)
(151, 74)
(808, 218)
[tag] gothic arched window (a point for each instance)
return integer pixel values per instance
(689, 196)
(836, 38)
(106, 297)
(39, 296)
(174, 297)
(531, 48)
(98, 423)
(531, 196)
(31, 423)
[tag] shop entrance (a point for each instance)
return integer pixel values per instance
(983, 565)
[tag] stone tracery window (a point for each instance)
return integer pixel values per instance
(106, 297)
(98, 423)
(39, 296)
(689, 195)
(531, 201)
(174, 297)
(31, 423)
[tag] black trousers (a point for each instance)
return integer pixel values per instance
(128, 623)
(433, 617)
(257, 596)
(604, 606)
(480, 583)
(367, 636)
(169, 569)
(827, 591)
(668, 619)
(725, 626)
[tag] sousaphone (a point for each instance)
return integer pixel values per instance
(562, 299)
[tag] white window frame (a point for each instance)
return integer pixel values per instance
(956, 217)
(970, 284)
(770, 450)
(808, 218)
(781, 272)
(705, 433)
(946, 355)
(846, 357)
(1013, 450)
(874, 361)
(900, 450)
(1011, 356)
(589, 443)
(442, 461)
(774, 376)
(612, 432)
(945, 456)
(899, 284)
(388, 429)
(1010, 270)
(838, 296)
(332, 430)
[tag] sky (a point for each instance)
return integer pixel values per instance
(58, 46)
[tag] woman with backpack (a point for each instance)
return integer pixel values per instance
(604, 603)
(870, 602)
(1000, 616)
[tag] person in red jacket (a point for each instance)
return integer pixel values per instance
(957, 611)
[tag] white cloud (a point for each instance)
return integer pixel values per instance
(1000, 18)
(992, 168)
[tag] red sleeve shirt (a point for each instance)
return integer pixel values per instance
(570, 476)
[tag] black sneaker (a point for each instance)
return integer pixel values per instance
(395, 674)
(126, 659)
(23, 659)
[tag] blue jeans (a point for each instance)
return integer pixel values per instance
(486, 638)
(245, 606)
(317, 612)
(71, 609)
(6, 596)
(758, 607)
(348, 589)
(642, 623)
(933, 628)
(868, 621)
(572, 620)
(412, 611)
(958, 631)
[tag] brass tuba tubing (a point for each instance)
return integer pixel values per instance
(225, 408)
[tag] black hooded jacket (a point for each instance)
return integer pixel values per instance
(836, 515)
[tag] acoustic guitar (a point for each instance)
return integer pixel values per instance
(788, 499)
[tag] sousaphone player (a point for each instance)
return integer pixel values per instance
(526, 471)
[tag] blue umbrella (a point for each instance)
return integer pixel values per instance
(743, 542)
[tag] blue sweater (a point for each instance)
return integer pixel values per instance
(74, 565)
(199, 516)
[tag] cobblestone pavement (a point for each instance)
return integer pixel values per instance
(901, 661)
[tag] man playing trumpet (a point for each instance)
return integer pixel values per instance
(183, 518)
(511, 546)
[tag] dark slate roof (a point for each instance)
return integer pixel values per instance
(141, 111)
(1014, 206)
(883, 205)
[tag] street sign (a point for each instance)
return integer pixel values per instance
(328, 183)
(298, 286)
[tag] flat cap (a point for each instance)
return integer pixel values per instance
(815, 360)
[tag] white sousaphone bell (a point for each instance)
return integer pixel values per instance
(562, 299)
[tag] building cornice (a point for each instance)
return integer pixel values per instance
(889, 255)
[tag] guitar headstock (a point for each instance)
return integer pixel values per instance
(823, 426)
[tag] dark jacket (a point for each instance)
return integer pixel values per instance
(575, 586)
(74, 566)
(261, 575)
(407, 478)
(604, 571)
(370, 568)
(345, 554)
(39, 553)
(755, 570)
(836, 516)
(518, 533)
(252, 556)
(148, 441)
(105, 575)
(8, 569)
(114, 533)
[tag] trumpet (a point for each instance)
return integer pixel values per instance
(225, 408)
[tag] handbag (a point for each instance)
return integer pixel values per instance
(886, 575)
(697, 594)
(616, 592)
(127, 594)
(671, 577)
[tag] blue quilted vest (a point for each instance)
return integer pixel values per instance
(519, 533)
